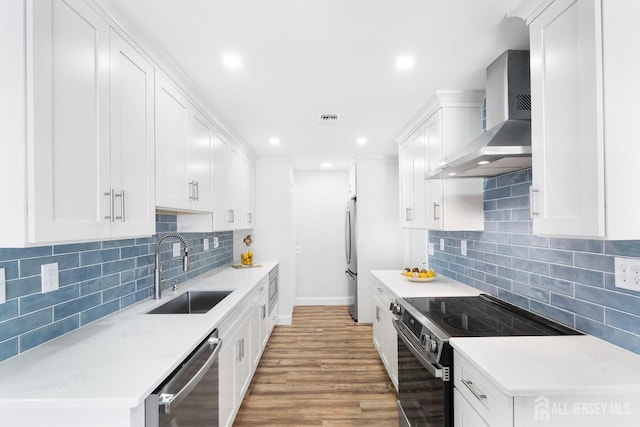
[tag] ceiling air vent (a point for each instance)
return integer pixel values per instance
(329, 118)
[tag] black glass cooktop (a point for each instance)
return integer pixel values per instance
(484, 315)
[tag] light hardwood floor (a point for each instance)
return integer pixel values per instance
(323, 370)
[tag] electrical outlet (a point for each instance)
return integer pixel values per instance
(627, 273)
(463, 248)
(432, 250)
(176, 250)
(205, 244)
(3, 287)
(298, 250)
(442, 244)
(49, 277)
(216, 243)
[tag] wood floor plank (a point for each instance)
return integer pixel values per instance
(321, 371)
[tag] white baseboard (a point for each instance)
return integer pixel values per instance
(284, 320)
(323, 301)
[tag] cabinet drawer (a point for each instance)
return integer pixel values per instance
(493, 405)
(381, 292)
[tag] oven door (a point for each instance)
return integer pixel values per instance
(425, 394)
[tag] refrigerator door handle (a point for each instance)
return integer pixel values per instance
(347, 236)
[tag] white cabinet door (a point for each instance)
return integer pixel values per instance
(70, 98)
(232, 199)
(405, 159)
(259, 325)
(390, 344)
(453, 204)
(412, 156)
(172, 126)
(385, 337)
(220, 216)
(132, 141)
(433, 136)
(199, 160)
(566, 116)
(227, 399)
(244, 362)
(463, 413)
(378, 332)
(245, 193)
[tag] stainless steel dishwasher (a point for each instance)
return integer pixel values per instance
(189, 397)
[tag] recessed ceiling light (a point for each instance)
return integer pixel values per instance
(232, 60)
(452, 174)
(361, 141)
(326, 165)
(274, 141)
(404, 62)
(484, 162)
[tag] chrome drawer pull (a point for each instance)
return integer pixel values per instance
(478, 394)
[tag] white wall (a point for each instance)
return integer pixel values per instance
(320, 203)
(275, 222)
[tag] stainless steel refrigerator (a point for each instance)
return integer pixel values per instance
(351, 258)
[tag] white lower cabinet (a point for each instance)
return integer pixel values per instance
(385, 338)
(244, 334)
(464, 414)
(260, 322)
(484, 401)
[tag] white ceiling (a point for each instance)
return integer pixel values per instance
(303, 57)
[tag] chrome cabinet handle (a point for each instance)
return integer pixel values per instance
(435, 211)
(233, 215)
(532, 211)
(377, 313)
(477, 393)
(111, 195)
(408, 214)
(249, 217)
(190, 190)
(197, 188)
(121, 195)
(229, 217)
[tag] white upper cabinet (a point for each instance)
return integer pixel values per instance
(455, 203)
(233, 187)
(246, 192)
(584, 89)
(89, 143)
(412, 156)
(132, 141)
(69, 161)
(184, 149)
(200, 162)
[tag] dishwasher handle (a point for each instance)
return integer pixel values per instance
(169, 401)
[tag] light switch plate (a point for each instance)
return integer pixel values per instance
(463, 247)
(176, 250)
(49, 277)
(205, 244)
(216, 243)
(3, 287)
(442, 244)
(432, 250)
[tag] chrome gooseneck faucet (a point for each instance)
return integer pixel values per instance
(157, 286)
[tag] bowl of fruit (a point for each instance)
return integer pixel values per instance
(419, 275)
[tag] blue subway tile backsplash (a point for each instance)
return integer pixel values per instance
(569, 280)
(96, 279)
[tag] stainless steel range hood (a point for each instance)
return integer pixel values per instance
(506, 145)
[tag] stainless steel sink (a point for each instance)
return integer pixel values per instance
(191, 302)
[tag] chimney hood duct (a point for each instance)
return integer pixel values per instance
(506, 145)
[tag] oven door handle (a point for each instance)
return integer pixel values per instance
(433, 369)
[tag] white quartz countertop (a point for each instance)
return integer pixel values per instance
(119, 360)
(553, 365)
(442, 286)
